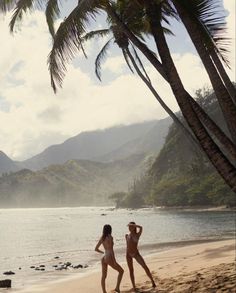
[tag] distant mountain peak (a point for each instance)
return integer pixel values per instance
(109, 144)
(7, 164)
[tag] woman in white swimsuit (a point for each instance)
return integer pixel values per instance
(132, 252)
(109, 257)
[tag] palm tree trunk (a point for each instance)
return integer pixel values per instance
(218, 159)
(187, 133)
(208, 122)
(223, 139)
(226, 103)
(228, 83)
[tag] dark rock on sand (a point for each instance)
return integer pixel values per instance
(5, 283)
(32, 267)
(78, 267)
(56, 257)
(9, 273)
(61, 268)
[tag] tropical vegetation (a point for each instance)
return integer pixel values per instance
(180, 176)
(205, 23)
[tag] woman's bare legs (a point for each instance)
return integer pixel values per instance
(131, 269)
(120, 270)
(104, 275)
(141, 261)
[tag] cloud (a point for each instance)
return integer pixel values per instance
(32, 117)
(51, 114)
(115, 65)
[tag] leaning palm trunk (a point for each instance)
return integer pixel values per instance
(223, 139)
(228, 83)
(176, 120)
(228, 145)
(218, 159)
(226, 103)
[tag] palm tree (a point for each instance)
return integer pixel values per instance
(207, 15)
(225, 141)
(228, 83)
(208, 122)
(68, 40)
(123, 43)
(187, 12)
(213, 152)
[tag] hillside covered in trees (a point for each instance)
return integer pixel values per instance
(75, 183)
(181, 175)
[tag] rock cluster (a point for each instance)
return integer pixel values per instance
(60, 266)
(5, 283)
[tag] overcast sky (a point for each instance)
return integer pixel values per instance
(32, 117)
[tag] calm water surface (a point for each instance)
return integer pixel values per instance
(32, 237)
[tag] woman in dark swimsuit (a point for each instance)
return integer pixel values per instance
(109, 258)
(132, 252)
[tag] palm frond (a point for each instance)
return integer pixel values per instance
(21, 7)
(100, 57)
(211, 19)
(132, 15)
(126, 57)
(52, 13)
(67, 40)
(141, 64)
(167, 31)
(7, 5)
(168, 11)
(98, 33)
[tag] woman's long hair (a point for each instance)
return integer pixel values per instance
(106, 231)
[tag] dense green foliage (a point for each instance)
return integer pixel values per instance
(77, 182)
(181, 174)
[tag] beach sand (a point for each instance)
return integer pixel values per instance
(208, 267)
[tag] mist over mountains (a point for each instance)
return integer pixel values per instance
(107, 145)
(85, 169)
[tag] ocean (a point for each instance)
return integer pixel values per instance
(48, 237)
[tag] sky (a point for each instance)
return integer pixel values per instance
(32, 117)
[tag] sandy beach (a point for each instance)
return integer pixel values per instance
(208, 267)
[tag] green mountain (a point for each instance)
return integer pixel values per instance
(181, 174)
(85, 169)
(75, 183)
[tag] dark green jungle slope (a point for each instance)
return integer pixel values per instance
(181, 175)
(75, 183)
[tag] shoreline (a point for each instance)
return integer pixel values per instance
(158, 208)
(58, 237)
(168, 263)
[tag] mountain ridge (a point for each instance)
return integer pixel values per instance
(76, 182)
(106, 145)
